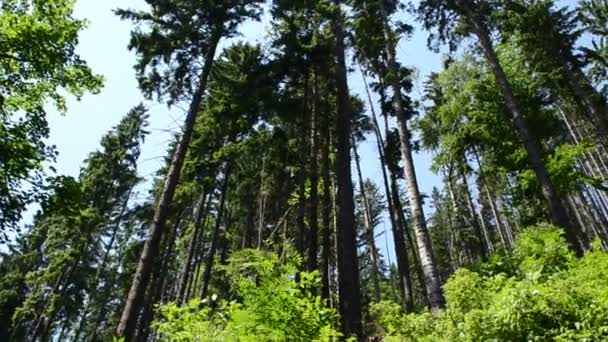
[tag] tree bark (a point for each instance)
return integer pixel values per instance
(477, 222)
(369, 228)
(327, 208)
(215, 234)
(200, 249)
(432, 282)
(313, 221)
(350, 296)
(198, 216)
(150, 251)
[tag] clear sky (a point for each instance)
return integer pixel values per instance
(104, 46)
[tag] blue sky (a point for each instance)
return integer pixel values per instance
(104, 46)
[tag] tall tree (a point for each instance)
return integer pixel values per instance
(183, 45)
(350, 301)
(473, 18)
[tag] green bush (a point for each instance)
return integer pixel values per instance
(548, 295)
(270, 306)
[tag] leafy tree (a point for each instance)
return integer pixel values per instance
(38, 64)
(541, 292)
(270, 306)
(593, 15)
(460, 19)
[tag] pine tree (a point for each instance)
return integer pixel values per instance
(188, 43)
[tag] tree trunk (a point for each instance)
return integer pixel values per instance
(369, 228)
(161, 278)
(327, 208)
(215, 234)
(313, 221)
(398, 229)
(261, 207)
(302, 175)
(429, 268)
(101, 268)
(476, 221)
(350, 296)
(492, 202)
(200, 249)
(460, 235)
(553, 202)
(198, 216)
(583, 95)
(141, 279)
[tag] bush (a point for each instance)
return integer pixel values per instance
(270, 306)
(548, 296)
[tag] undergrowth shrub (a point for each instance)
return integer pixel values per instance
(264, 303)
(540, 293)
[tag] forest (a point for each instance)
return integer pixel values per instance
(262, 224)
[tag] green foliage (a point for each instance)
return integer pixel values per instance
(270, 305)
(594, 16)
(38, 64)
(548, 296)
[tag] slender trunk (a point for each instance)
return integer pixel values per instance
(476, 221)
(215, 234)
(168, 260)
(141, 279)
(261, 207)
(153, 293)
(101, 268)
(160, 275)
(461, 238)
(491, 201)
(200, 250)
(584, 97)
(350, 296)
(198, 216)
(302, 174)
(553, 202)
(313, 221)
(369, 228)
(327, 208)
(398, 229)
(335, 262)
(43, 323)
(427, 261)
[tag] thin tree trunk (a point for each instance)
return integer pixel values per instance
(200, 250)
(554, 204)
(491, 201)
(350, 296)
(313, 221)
(198, 216)
(476, 220)
(398, 229)
(369, 229)
(133, 305)
(327, 208)
(584, 98)
(101, 268)
(261, 207)
(427, 261)
(460, 239)
(158, 287)
(215, 234)
(302, 174)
